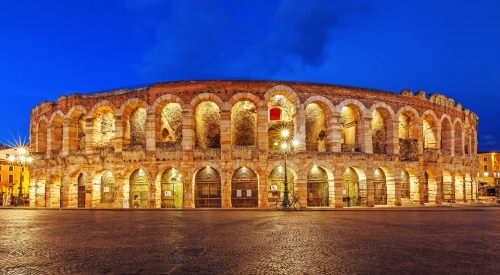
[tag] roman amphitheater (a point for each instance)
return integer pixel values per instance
(195, 144)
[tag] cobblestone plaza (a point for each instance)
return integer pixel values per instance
(434, 240)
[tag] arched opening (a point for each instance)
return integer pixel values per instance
(349, 132)
(317, 187)
(276, 183)
(446, 138)
(81, 191)
(279, 102)
(207, 125)
(244, 188)
(172, 191)
(354, 192)
(447, 190)
(42, 136)
(135, 125)
(103, 127)
(108, 188)
(381, 130)
(429, 132)
(139, 189)
(380, 187)
(315, 128)
(56, 133)
(207, 188)
(458, 140)
(169, 129)
(244, 124)
(77, 130)
(408, 136)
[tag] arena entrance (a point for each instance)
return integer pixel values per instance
(276, 184)
(354, 193)
(207, 189)
(108, 188)
(317, 187)
(172, 194)
(447, 190)
(244, 188)
(81, 191)
(139, 189)
(380, 188)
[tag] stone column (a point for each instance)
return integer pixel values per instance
(300, 122)
(89, 133)
(392, 137)
(151, 131)
(397, 191)
(437, 129)
(452, 141)
(65, 138)
(49, 141)
(188, 129)
(366, 141)
(439, 186)
(119, 133)
(263, 202)
(419, 131)
(334, 133)
(262, 126)
(338, 189)
(370, 188)
(421, 180)
(302, 191)
(225, 128)
(188, 191)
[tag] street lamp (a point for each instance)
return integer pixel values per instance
(22, 158)
(286, 146)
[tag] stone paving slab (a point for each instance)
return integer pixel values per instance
(438, 240)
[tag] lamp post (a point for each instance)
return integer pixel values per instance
(286, 146)
(23, 159)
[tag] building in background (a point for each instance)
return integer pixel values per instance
(10, 176)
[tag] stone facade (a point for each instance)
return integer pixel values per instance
(215, 144)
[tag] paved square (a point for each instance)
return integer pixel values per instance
(416, 241)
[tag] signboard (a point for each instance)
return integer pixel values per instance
(168, 193)
(238, 193)
(106, 189)
(249, 193)
(274, 187)
(344, 192)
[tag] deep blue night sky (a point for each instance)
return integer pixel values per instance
(52, 48)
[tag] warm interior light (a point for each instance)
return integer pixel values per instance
(285, 133)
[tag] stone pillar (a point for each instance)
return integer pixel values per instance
(119, 133)
(225, 188)
(437, 129)
(263, 202)
(439, 186)
(49, 141)
(331, 192)
(452, 142)
(262, 126)
(225, 128)
(334, 133)
(32, 194)
(421, 180)
(419, 130)
(370, 189)
(89, 133)
(338, 190)
(301, 191)
(151, 131)
(366, 141)
(392, 137)
(300, 122)
(397, 191)
(65, 138)
(188, 132)
(188, 191)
